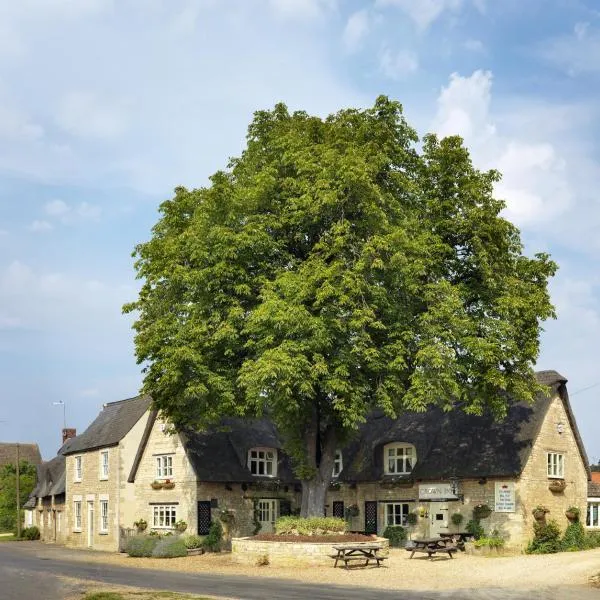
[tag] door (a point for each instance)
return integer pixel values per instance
(338, 509)
(438, 518)
(204, 517)
(370, 517)
(267, 513)
(90, 518)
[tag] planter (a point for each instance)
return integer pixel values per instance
(168, 486)
(156, 485)
(539, 515)
(482, 511)
(572, 515)
(557, 485)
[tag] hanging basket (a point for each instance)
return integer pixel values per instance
(156, 485)
(168, 485)
(557, 485)
(482, 511)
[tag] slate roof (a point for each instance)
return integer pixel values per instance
(593, 489)
(28, 452)
(111, 425)
(447, 444)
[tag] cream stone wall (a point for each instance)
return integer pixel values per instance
(49, 517)
(92, 489)
(183, 495)
(533, 485)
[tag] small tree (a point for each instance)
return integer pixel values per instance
(337, 266)
(8, 492)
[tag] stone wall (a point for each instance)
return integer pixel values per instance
(49, 517)
(249, 551)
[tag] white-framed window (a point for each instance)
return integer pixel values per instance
(396, 513)
(593, 513)
(399, 459)
(164, 515)
(77, 476)
(104, 464)
(164, 466)
(338, 464)
(77, 515)
(263, 461)
(556, 465)
(104, 516)
(28, 516)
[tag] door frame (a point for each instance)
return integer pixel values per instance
(273, 511)
(90, 523)
(437, 508)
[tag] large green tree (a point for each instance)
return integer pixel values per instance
(337, 266)
(8, 491)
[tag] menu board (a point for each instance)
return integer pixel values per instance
(505, 497)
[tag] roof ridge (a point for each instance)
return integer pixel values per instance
(126, 399)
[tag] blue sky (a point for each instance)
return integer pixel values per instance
(107, 105)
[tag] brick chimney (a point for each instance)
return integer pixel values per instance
(68, 433)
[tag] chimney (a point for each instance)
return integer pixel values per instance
(68, 433)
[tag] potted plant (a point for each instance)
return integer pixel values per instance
(168, 484)
(181, 526)
(539, 512)
(557, 485)
(156, 485)
(141, 525)
(457, 519)
(481, 511)
(572, 513)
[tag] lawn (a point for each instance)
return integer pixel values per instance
(7, 537)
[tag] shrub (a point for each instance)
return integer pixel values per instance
(574, 537)
(169, 548)
(310, 526)
(30, 533)
(396, 534)
(412, 518)
(546, 538)
(212, 542)
(592, 539)
(474, 528)
(192, 541)
(457, 519)
(262, 560)
(491, 541)
(141, 545)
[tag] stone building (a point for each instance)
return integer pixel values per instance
(129, 466)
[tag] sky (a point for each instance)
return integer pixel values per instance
(107, 105)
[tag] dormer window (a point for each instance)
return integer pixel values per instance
(399, 459)
(263, 462)
(338, 464)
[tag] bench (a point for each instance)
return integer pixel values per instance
(366, 559)
(430, 551)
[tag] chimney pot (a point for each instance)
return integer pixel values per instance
(68, 433)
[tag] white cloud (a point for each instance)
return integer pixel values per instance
(83, 114)
(56, 208)
(474, 45)
(397, 65)
(357, 28)
(425, 12)
(302, 9)
(39, 226)
(535, 183)
(577, 53)
(88, 211)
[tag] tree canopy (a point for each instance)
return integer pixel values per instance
(8, 491)
(336, 266)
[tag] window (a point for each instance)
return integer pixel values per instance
(556, 465)
(104, 464)
(77, 515)
(593, 514)
(263, 461)
(78, 468)
(104, 515)
(164, 466)
(164, 515)
(338, 464)
(399, 459)
(28, 516)
(396, 513)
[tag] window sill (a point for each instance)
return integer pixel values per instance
(556, 476)
(103, 479)
(103, 533)
(77, 480)
(75, 530)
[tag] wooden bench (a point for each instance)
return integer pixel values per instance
(359, 552)
(430, 551)
(366, 559)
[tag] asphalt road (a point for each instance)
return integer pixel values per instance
(27, 574)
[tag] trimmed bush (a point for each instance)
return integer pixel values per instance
(212, 542)
(396, 534)
(192, 541)
(310, 526)
(142, 545)
(474, 528)
(30, 533)
(169, 548)
(592, 539)
(491, 541)
(574, 537)
(457, 519)
(546, 538)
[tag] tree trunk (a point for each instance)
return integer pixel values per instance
(313, 497)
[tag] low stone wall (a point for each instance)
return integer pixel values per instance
(248, 550)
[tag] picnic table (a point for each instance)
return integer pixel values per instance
(459, 538)
(432, 546)
(358, 552)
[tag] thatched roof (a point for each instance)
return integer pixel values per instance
(28, 452)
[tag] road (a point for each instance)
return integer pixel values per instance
(28, 574)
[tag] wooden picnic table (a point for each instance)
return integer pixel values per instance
(358, 552)
(432, 546)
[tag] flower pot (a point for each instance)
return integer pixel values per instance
(571, 515)
(156, 485)
(539, 515)
(557, 485)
